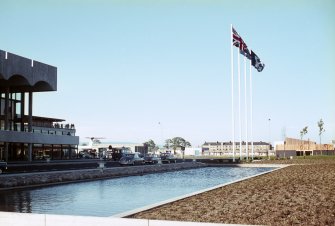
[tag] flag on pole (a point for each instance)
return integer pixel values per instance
(239, 43)
(256, 62)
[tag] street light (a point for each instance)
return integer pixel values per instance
(161, 133)
(269, 138)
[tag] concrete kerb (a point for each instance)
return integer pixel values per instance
(148, 207)
(255, 165)
(30, 219)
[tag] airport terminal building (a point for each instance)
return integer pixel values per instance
(23, 136)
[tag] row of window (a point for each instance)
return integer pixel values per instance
(53, 132)
(230, 147)
(236, 150)
(43, 130)
(19, 151)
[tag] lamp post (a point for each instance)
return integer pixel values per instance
(161, 133)
(269, 138)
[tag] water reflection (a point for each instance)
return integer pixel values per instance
(21, 201)
(112, 196)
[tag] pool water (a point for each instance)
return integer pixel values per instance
(112, 196)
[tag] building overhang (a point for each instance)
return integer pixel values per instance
(36, 138)
(42, 119)
(21, 74)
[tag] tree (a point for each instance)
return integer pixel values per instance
(178, 142)
(151, 145)
(321, 129)
(303, 132)
(167, 144)
(175, 143)
(184, 144)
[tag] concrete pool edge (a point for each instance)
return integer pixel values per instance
(151, 206)
(33, 219)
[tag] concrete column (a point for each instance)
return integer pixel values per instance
(30, 152)
(6, 120)
(30, 125)
(6, 108)
(30, 113)
(70, 151)
(6, 151)
(52, 151)
(22, 111)
(0, 108)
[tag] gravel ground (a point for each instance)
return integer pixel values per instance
(302, 194)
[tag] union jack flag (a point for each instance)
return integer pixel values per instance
(239, 43)
(256, 62)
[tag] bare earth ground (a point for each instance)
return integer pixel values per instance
(301, 194)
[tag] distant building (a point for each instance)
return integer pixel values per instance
(297, 147)
(226, 148)
(23, 136)
(193, 151)
(101, 148)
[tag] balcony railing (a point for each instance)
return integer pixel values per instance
(65, 131)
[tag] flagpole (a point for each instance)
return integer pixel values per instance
(250, 89)
(246, 108)
(239, 100)
(232, 88)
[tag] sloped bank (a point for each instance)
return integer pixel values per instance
(59, 177)
(301, 194)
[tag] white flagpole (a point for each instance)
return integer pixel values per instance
(246, 108)
(232, 88)
(250, 89)
(239, 100)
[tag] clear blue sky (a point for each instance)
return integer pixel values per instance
(125, 66)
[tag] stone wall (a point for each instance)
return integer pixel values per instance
(58, 177)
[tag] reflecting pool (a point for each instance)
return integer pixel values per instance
(113, 196)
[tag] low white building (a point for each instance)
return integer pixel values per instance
(226, 148)
(193, 151)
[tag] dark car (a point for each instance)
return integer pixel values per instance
(118, 153)
(152, 159)
(3, 166)
(85, 155)
(132, 159)
(168, 158)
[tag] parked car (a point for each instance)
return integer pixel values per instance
(3, 166)
(152, 159)
(85, 155)
(118, 153)
(132, 159)
(168, 158)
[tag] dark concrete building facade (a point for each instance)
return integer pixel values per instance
(298, 147)
(23, 136)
